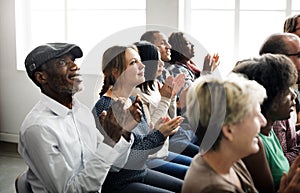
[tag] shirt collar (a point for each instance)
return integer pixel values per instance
(56, 107)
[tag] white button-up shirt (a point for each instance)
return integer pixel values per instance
(64, 150)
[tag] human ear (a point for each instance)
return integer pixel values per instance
(227, 132)
(41, 77)
(115, 73)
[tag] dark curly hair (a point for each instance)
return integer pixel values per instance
(275, 72)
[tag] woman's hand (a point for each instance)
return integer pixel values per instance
(130, 117)
(167, 89)
(118, 121)
(172, 85)
(168, 126)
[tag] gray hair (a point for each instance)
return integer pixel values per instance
(213, 102)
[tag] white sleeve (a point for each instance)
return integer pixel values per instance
(45, 159)
(123, 148)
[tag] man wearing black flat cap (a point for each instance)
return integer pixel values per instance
(59, 141)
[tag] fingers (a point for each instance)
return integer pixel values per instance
(118, 105)
(215, 62)
(169, 80)
(136, 109)
(137, 103)
(290, 186)
(170, 127)
(174, 131)
(178, 83)
(296, 178)
(283, 182)
(293, 168)
(175, 122)
(111, 126)
(172, 86)
(216, 57)
(179, 77)
(102, 117)
(206, 63)
(166, 90)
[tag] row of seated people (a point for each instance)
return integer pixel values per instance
(132, 152)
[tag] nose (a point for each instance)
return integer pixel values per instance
(168, 45)
(74, 66)
(161, 63)
(141, 65)
(293, 94)
(263, 120)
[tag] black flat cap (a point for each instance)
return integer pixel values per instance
(44, 53)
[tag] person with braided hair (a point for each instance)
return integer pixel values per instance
(123, 71)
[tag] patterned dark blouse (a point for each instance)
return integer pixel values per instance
(146, 142)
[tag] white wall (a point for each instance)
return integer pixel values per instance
(18, 94)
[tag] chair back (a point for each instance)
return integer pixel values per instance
(21, 184)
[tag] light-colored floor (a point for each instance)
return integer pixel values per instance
(11, 164)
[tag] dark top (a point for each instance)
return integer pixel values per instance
(146, 142)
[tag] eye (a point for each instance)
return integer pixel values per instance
(62, 62)
(133, 62)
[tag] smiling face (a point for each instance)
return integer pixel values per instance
(161, 41)
(293, 47)
(284, 105)
(60, 76)
(245, 132)
(134, 73)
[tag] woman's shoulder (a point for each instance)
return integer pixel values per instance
(102, 104)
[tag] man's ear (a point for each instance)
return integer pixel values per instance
(41, 77)
(227, 132)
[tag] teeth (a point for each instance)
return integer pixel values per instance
(77, 77)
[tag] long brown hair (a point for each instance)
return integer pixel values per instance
(113, 58)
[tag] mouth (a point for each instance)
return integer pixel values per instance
(292, 107)
(76, 78)
(141, 73)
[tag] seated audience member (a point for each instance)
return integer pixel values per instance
(156, 102)
(292, 25)
(59, 140)
(285, 130)
(160, 40)
(182, 52)
(123, 71)
(277, 74)
(229, 119)
(183, 141)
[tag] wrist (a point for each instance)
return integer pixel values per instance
(126, 135)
